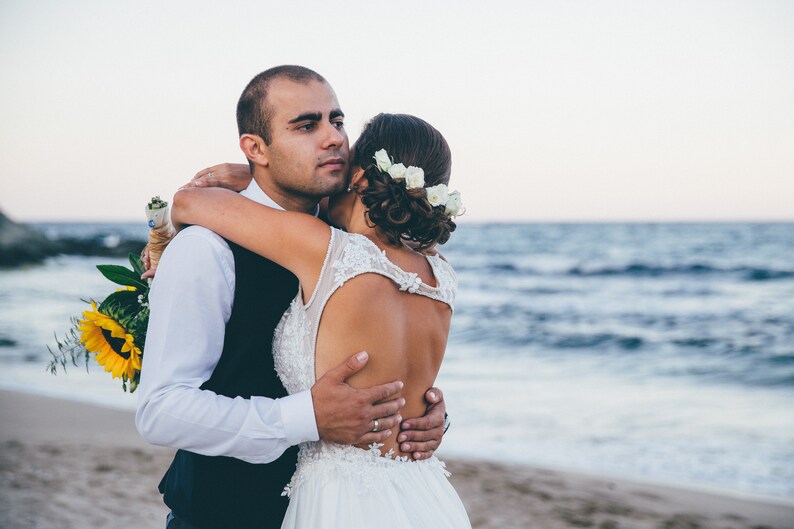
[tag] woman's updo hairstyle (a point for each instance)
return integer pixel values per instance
(400, 214)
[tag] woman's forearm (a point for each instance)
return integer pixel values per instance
(200, 206)
(296, 241)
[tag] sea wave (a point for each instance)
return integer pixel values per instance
(632, 269)
(652, 270)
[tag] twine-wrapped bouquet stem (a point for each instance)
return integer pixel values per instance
(161, 231)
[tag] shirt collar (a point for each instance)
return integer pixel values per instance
(255, 193)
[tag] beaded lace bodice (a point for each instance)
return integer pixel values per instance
(348, 256)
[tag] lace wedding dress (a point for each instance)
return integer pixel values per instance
(337, 486)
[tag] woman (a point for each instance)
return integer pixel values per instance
(361, 289)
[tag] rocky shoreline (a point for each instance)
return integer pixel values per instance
(22, 245)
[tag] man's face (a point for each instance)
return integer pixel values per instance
(308, 154)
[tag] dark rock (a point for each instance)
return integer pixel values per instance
(20, 244)
(97, 247)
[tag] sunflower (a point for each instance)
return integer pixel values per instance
(114, 347)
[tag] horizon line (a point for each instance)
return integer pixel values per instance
(752, 220)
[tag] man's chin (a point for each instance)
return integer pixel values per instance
(337, 188)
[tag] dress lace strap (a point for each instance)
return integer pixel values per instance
(360, 255)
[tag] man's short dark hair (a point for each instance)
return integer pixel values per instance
(253, 112)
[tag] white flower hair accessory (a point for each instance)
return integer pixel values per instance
(437, 195)
(382, 160)
(397, 171)
(414, 178)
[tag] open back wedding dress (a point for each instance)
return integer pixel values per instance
(336, 485)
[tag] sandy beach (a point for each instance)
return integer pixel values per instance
(71, 465)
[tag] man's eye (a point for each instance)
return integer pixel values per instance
(339, 124)
(307, 126)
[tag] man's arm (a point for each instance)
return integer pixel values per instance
(191, 301)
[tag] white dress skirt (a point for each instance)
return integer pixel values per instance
(346, 487)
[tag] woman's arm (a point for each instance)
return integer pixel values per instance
(296, 241)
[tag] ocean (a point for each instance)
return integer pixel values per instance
(660, 352)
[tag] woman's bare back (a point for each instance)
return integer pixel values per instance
(404, 333)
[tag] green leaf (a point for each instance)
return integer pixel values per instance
(124, 300)
(122, 276)
(137, 264)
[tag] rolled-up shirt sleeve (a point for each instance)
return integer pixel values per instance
(191, 301)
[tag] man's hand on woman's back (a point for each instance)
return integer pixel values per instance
(347, 415)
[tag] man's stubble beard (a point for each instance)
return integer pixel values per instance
(314, 191)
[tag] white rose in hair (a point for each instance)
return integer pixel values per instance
(454, 205)
(437, 195)
(397, 171)
(382, 160)
(414, 177)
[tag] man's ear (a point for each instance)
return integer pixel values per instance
(255, 150)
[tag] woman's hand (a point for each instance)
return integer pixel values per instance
(234, 176)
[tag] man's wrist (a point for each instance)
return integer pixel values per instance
(297, 415)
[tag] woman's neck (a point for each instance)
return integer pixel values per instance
(357, 223)
(368, 232)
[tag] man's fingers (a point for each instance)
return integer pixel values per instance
(420, 435)
(428, 422)
(374, 437)
(383, 392)
(149, 273)
(425, 446)
(386, 409)
(386, 423)
(348, 368)
(434, 395)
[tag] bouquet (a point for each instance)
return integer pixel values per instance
(114, 331)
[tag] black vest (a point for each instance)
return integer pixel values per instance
(223, 492)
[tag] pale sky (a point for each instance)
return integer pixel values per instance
(555, 110)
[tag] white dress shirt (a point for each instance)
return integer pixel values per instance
(191, 302)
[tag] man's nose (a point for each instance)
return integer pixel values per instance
(334, 137)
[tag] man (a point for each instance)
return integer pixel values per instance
(208, 384)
